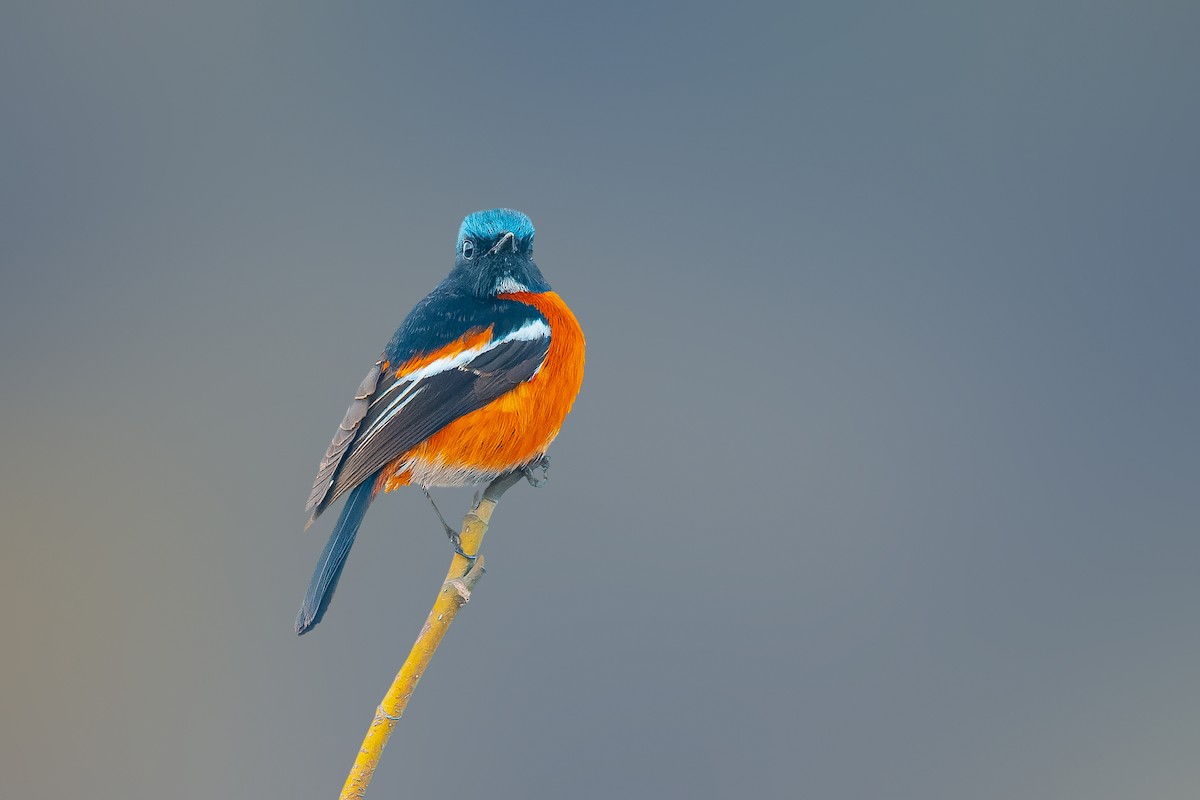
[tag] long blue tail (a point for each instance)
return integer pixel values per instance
(333, 559)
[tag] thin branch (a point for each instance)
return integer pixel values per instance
(454, 594)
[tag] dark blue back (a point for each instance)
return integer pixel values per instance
(448, 313)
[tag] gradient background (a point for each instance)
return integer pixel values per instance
(883, 481)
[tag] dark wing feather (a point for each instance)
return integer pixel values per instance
(342, 439)
(433, 402)
(390, 415)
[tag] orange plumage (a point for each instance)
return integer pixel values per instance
(516, 428)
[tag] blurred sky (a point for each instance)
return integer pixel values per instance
(883, 480)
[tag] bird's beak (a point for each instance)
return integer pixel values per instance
(505, 239)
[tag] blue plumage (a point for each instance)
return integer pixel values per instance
(333, 558)
(488, 225)
(447, 313)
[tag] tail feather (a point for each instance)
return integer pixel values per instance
(333, 559)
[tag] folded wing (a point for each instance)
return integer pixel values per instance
(392, 413)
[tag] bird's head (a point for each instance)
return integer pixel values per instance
(495, 254)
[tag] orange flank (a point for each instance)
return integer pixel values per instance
(517, 427)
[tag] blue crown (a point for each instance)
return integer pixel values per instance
(487, 225)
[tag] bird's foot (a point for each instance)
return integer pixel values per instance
(537, 472)
(450, 532)
(457, 542)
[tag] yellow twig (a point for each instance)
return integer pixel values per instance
(454, 594)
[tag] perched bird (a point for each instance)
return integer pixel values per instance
(474, 384)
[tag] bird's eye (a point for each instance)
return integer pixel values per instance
(468, 249)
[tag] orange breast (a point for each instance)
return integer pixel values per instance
(517, 427)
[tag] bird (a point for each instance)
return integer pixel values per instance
(474, 384)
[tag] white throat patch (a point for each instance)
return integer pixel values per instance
(507, 285)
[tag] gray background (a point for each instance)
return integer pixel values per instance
(883, 478)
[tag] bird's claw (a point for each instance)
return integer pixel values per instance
(454, 540)
(538, 472)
